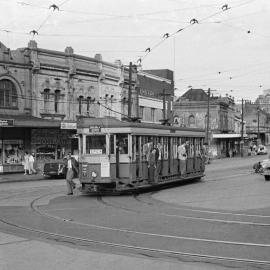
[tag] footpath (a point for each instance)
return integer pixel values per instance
(21, 177)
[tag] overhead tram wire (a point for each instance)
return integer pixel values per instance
(194, 21)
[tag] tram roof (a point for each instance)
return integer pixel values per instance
(116, 126)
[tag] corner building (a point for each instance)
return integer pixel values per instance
(42, 93)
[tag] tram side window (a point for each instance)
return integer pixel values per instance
(111, 144)
(96, 145)
(165, 147)
(191, 147)
(175, 142)
(122, 143)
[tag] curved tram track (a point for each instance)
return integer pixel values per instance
(149, 241)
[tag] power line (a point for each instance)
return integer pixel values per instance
(193, 22)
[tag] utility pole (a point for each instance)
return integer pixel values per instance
(242, 130)
(129, 90)
(164, 95)
(258, 134)
(208, 117)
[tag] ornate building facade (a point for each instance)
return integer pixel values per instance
(224, 133)
(42, 93)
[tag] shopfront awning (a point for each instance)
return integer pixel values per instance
(226, 135)
(27, 121)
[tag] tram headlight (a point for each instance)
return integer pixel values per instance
(94, 174)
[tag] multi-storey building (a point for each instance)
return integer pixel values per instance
(42, 92)
(155, 95)
(190, 110)
(258, 123)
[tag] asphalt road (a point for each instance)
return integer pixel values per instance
(220, 222)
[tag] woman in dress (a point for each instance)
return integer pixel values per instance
(26, 163)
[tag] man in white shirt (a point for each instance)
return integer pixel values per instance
(71, 166)
(182, 157)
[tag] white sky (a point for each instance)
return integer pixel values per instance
(218, 52)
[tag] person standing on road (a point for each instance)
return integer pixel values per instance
(31, 163)
(26, 163)
(71, 167)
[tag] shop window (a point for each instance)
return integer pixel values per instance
(13, 151)
(46, 152)
(96, 145)
(56, 100)
(8, 94)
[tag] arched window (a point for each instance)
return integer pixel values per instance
(191, 120)
(8, 94)
(80, 104)
(46, 98)
(88, 100)
(56, 100)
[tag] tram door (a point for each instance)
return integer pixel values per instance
(122, 157)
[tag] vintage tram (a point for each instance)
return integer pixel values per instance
(113, 158)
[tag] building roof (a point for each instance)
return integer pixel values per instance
(195, 95)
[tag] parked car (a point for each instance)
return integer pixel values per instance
(57, 168)
(263, 167)
(262, 150)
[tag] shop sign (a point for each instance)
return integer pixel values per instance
(68, 125)
(6, 122)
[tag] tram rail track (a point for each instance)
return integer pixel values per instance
(135, 248)
(143, 250)
(218, 220)
(77, 240)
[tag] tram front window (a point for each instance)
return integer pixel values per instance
(122, 143)
(96, 145)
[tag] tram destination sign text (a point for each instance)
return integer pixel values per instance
(6, 122)
(94, 129)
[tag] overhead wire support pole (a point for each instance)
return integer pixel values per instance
(208, 117)
(258, 133)
(242, 130)
(165, 119)
(129, 90)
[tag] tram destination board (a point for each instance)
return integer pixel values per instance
(6, 122)
(94, 129)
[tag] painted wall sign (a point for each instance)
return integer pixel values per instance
(6, 122)
(68, 125)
